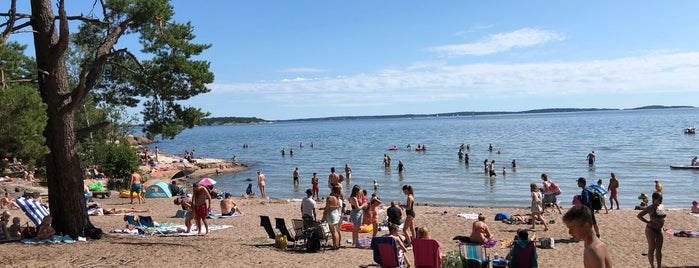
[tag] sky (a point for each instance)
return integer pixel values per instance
(306, 59)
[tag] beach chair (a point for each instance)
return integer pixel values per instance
(523, 254)
(300, 230)
(426, 253)
(474, 255)
(280, 224)
(327, 235)
(33, 209)
(385, 251)
(267, 224)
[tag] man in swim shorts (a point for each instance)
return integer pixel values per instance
(135, 186)
(201, 202)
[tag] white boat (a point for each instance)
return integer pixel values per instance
(690, 130)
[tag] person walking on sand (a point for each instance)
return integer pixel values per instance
(261, 184)
(537, 207)
(591, 158)
(586, 200)
(654, 228)
(578, 220)
(135, 186)
(613, 188)
(201, 201)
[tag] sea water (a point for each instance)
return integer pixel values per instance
(637, 145)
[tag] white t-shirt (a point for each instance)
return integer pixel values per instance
(308, 206)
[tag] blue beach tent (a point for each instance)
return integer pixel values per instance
(158, 190)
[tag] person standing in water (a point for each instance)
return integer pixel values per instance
(591, 158)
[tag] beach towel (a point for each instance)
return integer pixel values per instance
(35, 211)
(683, 233)
(54, 240)
(694, 214)
(426, 252)
(220, 216)
(468, 216)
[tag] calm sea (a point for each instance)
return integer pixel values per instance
(637, 145)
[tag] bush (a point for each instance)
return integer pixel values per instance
(120, 160)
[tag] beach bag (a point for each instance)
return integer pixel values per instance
(313, 244)
(547, 242)
(595, 200)
(28, 232)
(280, 242)
(93, 232)
(554, 188)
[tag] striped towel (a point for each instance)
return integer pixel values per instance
(35, 211)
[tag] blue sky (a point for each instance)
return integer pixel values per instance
(301, 59)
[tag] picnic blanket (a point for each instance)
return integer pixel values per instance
(169, 229)
(55, 240)
(683, 233)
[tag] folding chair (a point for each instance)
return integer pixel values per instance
(474, 255)
(327, 235)
(300, 231)
(267, 224)
(426, 253)
(280, 224)
(385, 252)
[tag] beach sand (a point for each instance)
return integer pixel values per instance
(246, 243)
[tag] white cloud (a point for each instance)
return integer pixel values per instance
(442, 82)
(501, 42)
(302, 70)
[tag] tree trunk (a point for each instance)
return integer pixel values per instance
(64, 175)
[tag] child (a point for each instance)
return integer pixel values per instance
(15, 230)
(4, 220)
(695, 206)
(374, 211)
(393, 232)
(644, 201)
(578, 219)
(45, 229)
(604, 197)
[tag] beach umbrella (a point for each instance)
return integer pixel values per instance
(206, 182)
(182, 173)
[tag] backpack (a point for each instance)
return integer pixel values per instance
(595, 200)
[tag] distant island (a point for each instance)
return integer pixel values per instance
(218, 121)
(473, 113)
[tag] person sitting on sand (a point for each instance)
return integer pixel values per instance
(695, 206)
(45, 230)
(644, 201)
(480, 234)
(228, 206)
(7, 202)
(4, 220)
(15, 230)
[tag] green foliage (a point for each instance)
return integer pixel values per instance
(23, 114)
(119, 161)
(168, 76)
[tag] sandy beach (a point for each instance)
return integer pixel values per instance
(246, 243)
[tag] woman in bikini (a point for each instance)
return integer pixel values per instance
(331, 215)
(408, 225)
(108, 211)
(654, 228)
(480, 233)
(356, 213)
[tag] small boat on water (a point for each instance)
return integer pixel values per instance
(690, 130)
(683, 167)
